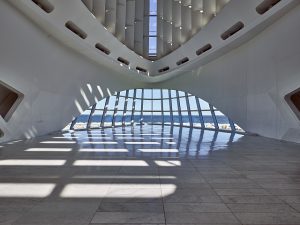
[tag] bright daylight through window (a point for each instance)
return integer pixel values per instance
(154, 106)
(152, 28)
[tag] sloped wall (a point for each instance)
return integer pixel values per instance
(249, 83)
(57, 83)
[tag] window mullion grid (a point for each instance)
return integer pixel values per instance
(171, 108)
(162, 107)
(189, 109)
(73, 123)
(133, 107)
(88, 126)
(142, 107)
(116, 109)
(200, 142)
(104, 111)
(231, 125)
(214, 116)
(200, 112)
(125, 108)
(151, 107)
(179, 107)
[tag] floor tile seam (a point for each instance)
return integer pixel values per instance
(289, 203)
(237, 219)
(94, 214)
(223, 201)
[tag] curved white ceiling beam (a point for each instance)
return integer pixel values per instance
(75, 11)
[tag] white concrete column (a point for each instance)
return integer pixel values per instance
(197, 11)
(139, 31)
(186, 20)
(146, 29)
(209, 7)
(121, 19)
(129, 28)
(167, 26)
(160, 28)
(111, 15)
(99, 10)
(176, 24)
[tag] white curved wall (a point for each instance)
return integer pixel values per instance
(52, 78)
(249, 83)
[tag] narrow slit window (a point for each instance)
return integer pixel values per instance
(152, 34)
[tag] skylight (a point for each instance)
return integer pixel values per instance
(152, 50)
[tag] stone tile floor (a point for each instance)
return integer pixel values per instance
(149, 175)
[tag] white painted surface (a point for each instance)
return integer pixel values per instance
(248, 84)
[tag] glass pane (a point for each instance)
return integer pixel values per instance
(183, 105)
(121, 103)
(111, 103)
(203, 104)
(167, 117)
(129, 103)
(157, 117)
(173, 94)
(152, 46)
(222, 120)
(122, 93)
(193, 104)
(156, 105)
(130, 93)
(166, 105)
(148, 94)
(147, 105)
(174, 104)
(138, 104)
(152, 7)
(181, 93)
(165, 93)
(152, 26)
(100, 105)
(156, 94)
(138, 93)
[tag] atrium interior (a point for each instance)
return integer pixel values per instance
(150, 112)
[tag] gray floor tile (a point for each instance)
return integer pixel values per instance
(127, 217)
(260, 208)
(250, 199)
(269, 218)
(195, 207)
(242, 192)
(201, 218)
(130, 207)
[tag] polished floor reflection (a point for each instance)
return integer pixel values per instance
(149, 175)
